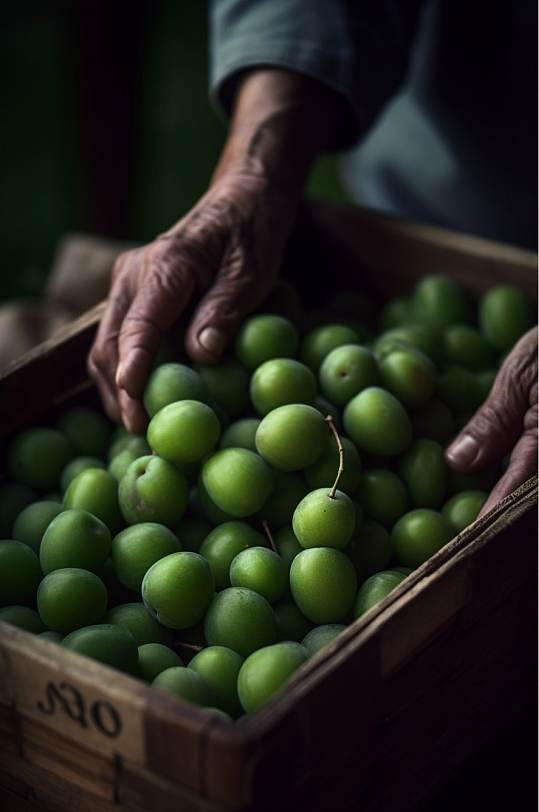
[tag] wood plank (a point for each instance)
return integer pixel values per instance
(50, 792)
(388, 254)
(88, 703)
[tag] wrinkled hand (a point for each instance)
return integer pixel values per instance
(507, 420)
(225, 252)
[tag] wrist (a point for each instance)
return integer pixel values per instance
(281, 122)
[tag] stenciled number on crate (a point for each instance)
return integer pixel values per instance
(99, 714)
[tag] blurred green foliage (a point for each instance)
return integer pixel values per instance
(42, 194)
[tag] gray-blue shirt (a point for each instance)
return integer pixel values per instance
(442, 97)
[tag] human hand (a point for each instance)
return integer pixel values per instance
(225, 252)
(507, 421)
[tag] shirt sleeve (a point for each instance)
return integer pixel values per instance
(358, 49)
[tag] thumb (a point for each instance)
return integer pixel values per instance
(496, 426)
(234, 294)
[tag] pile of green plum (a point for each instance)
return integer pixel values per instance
(276, 497)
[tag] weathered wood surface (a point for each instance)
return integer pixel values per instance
(391, 708)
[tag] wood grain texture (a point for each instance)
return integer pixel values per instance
(101, 709)
(379, 719)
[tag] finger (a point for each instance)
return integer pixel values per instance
(103, 357)
(522, 465)
(132, 412)
(157, 305)
(108, 397)
(235, 292)
(495, 427)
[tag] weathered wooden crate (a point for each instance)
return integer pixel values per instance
(381, 718)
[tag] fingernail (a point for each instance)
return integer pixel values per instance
(464, 450)
(212, 339)
(119, 375)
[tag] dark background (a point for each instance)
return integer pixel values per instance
(106, 126)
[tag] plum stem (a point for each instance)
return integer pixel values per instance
(191, 646)
(269, 534)
(340, 471)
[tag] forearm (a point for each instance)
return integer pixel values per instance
(281, 122)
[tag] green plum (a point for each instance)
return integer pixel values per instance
(264, 337)
(126, 440)
(191, 532)
(52, 637)
(377, 422)
(396, 312)
(134, 448)
(136, 548)
(70, 598)
(319, 342)
(204, 506)
(408, 374)
(439, 302)
(261, 570)
(75, 538)
(223, 544)
(266, 671)
(418, 535)
(184, 432)
(240, 434)
(228, 385)
(219, 666)
(281, 381)
(322, 473)
(87, 430)
(321, 636)
(153, 490)
(186, 684)
(96, 491)
(20, 573)
(154, 658)
(328, 409)
(37, 457)
(505, 314)
(240, 619)
(287, 545)
(292, 437)
(347, 370)
(371, 549)
(461, 389)
(324, 519)
(75, 467)
(23, 617)
(169, 383)
(375, 589)
(425, 473)
(323, 583)
(466, 347)
(434, 421)
(178, 589)
(238, 481)
(31, 523)
(289, 490)
(382, 495)
(13, 499)
(481, 481)
(291, 624)
(464, 508)
(138, 620)
(420, 336)
(109, 644)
